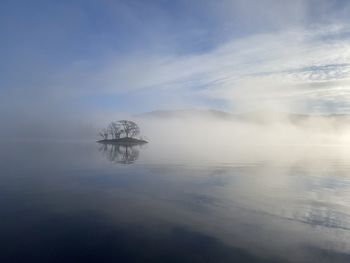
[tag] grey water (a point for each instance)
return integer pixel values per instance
(86, 202)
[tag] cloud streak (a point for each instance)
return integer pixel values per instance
(283, 65)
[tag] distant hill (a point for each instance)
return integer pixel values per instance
(259, 117)
(188, 113)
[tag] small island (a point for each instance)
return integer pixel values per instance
(121, 132)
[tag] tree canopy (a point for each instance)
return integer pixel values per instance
(120, 129)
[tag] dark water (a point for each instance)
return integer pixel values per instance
(84, 202)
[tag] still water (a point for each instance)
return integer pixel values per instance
(86, 202)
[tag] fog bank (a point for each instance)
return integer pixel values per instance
(219, 137)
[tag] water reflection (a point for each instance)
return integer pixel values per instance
(119, 153)
(63, 204)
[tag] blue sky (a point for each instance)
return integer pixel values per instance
(70, 59)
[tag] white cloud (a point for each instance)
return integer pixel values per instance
(278, 67)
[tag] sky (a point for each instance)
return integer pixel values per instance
(78, 59)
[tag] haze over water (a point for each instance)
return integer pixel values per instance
(84, 202)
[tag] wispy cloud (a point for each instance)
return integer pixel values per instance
(294, 65)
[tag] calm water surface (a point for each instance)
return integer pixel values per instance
(85, 202)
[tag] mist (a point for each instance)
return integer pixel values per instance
(204, 137)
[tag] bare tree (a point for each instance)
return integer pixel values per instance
(115, 129)
(104, 134)
(118, 129)
(130, 128)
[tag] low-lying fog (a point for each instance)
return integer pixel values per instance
(210, 136)
(219, 137)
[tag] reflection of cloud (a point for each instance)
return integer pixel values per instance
(324, 217)
(269, 209)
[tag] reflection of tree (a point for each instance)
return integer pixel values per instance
(117, 153)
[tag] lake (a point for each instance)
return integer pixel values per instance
(87, 202)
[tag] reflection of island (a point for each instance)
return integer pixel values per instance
(119, 143)
(120, 153)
